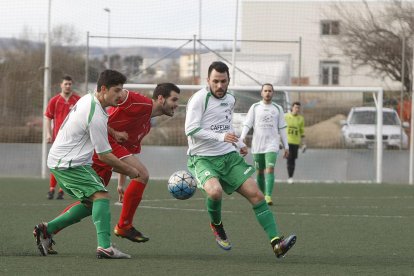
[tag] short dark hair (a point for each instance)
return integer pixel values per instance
(164, 89)
(110, 78)
(220, 67)
(296, 103)
(67, 78)
(271, 85)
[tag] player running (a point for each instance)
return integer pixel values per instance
(215, 162)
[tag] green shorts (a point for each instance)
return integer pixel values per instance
(230, 169)
(79, 182)
(265, 160)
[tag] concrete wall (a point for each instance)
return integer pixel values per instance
(24, 160)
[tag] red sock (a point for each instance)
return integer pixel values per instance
(52, 182)
(132, 198)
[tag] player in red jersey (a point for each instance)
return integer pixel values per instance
(128, 124)
(56, 111)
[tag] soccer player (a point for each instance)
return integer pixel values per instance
(295, 134)
(83, 132)
(268, 121)
(217, 165)
(128, 124)
(58, 107)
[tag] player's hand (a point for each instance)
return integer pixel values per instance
(49, 139)
(286, 154)
(303, 148)
(244, 151)
(121, 191)
(230, 138)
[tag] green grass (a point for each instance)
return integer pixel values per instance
(342, 229)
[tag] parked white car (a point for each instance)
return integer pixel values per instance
(359, 129)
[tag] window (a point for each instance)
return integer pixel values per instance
(329, 27)
(329, 72)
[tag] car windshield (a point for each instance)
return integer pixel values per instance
(369, 118)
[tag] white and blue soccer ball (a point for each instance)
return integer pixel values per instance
(182, 185)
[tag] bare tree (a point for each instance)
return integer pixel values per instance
(373, 36)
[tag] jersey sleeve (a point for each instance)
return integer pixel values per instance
(50, 109)
(99, 134)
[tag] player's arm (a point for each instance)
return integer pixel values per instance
(119, 136)
(49, 135)
(282, 131)
(248, 123)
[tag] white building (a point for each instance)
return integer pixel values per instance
(314, 23)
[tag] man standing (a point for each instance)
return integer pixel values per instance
(295, 133)
(70, 158)
(57, 109)
(268, 121)
(215, 162)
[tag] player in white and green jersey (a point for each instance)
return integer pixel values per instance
(296, 135)
(268, 121)
(70, 158)
(216, 163)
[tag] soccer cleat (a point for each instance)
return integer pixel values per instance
(50, 194)
(60, 195)
(43, 239)
(111, 253)
(269, 200)
(221, 237)
(131, 234)
(281, 245)
(290, 180)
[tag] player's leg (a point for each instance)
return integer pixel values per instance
(270, 162)
(205, 171)
(131, 200)
(52, 186)
(291, 161)
(265, 217)
(259, 164)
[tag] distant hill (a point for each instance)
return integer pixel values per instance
(97, 52)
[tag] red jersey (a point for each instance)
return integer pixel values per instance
(58, 108)
(134, 117)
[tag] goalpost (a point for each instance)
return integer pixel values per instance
(330, 99)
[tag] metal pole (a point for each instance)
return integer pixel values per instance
(194, 58)
(300, 67)
(87, 63)
(200, 16)
(233, 57)
(46, 91)
(402, 88)
(379, 136)
(108, 65)
(410, 169)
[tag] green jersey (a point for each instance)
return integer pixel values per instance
(295, 128)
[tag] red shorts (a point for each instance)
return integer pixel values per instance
(104, 170)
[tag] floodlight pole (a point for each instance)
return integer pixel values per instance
(233, 57)
(410, 169)
(46, 91)
(108, 10)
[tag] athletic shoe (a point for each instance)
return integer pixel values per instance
(290, 180)
(60, 195)
(131, 234)
(43, 239)
(269, 200)
(111, 253)
(281, 245)
(50, 194)
(221, 237)
(50, 250)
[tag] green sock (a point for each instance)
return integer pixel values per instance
(214, 210)
(261, 181)
(101, 216)
(71, 216)
(265, 218)
(270, 182)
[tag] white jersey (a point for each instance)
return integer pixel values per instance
(207, 121)
(268, 121)
(83, 131)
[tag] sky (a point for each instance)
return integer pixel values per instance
(131, 18)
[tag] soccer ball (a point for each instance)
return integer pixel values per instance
(182, 185)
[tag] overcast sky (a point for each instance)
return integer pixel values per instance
(133, 18)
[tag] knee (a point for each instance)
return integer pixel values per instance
(143, 176)
(214, 192)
